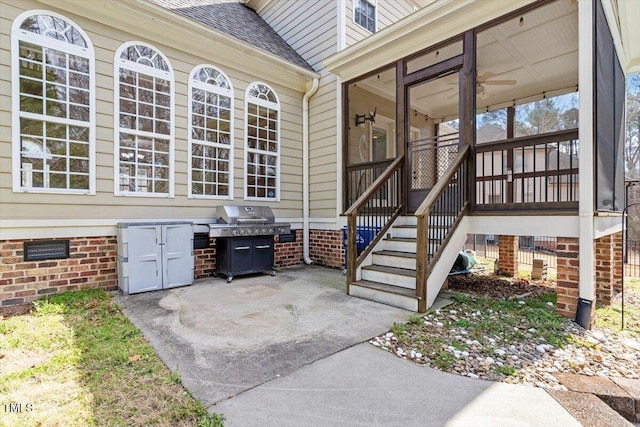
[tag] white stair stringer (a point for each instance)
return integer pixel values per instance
(441, 269)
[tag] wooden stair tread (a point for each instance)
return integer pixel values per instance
(391, 270)
(396, 253)
(387, 288)
(401, 239)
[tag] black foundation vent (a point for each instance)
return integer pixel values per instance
(287, 238)
(40, 250)
(201, 241)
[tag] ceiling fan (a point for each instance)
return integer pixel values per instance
(483, 80)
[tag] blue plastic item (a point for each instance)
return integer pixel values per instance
(364, 236)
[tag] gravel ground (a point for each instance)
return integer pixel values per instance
(501, 357)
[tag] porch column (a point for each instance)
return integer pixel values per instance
(508, 255)
(618, 248)
(604, 269)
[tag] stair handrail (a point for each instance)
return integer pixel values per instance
(354, 260)
(423, 264)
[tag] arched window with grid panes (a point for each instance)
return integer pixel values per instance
(262, 150)
(144, 128)
(53, 76)
(210, 134)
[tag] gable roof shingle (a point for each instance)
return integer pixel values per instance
(238, 21)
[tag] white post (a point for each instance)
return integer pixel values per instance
(586, 162)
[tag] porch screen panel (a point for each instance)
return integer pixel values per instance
(609, 132)
(619, 171)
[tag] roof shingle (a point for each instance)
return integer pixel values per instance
(238, 21)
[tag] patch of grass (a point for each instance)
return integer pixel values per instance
(399, 329)
(415, 320)
(506, 370)
(464, 323)
(80, 362)
(610, 317)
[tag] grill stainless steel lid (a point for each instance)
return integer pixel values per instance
(246, 221)
(245, 214)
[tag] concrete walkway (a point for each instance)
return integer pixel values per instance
(287, 351)
(365, 386)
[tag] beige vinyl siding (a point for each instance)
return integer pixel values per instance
(104, 205)
(388, 12)
(6, 183)
(310, 27)
(323, 147)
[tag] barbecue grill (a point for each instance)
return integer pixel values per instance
(244, 239)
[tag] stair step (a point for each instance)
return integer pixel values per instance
(405, 260)
(411, 231)
(402, 244)
(385, 294)
(396, 254)
(395, 276)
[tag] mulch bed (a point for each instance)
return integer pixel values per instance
(498, 287)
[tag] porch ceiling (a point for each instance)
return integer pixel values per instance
(626, 18)
(517, 61)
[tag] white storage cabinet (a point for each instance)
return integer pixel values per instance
(154, 256)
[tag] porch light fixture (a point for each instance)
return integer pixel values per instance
(361, 119)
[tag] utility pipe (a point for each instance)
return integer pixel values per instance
(305, 169)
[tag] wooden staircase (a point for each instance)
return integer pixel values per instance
(390, 278)
(408, 258)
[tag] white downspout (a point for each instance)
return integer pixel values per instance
(305, 170)
(586, 164)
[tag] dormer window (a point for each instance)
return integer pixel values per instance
(364, 14)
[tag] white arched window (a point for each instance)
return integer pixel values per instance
(53, 81)
(262, 153)
(143, 121)
(210, 134)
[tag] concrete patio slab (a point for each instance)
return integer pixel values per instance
(225, 338)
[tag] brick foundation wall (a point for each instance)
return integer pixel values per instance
(92, 264)
(325, 248)
(290, 253)
(618, 247)
(508, 255)
(569, 278)
(603, 249)
(204, 261)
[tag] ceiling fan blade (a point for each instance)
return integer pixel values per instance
(501, 82)
(486, 75)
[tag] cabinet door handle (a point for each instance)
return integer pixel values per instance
(263, 246)
(242, 248)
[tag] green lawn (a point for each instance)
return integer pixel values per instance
(76, 360)
(610, 317)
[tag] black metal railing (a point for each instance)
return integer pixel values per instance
(360, 177)
(437, 217)
(529, 248)
(532, 172)
(371, 215)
